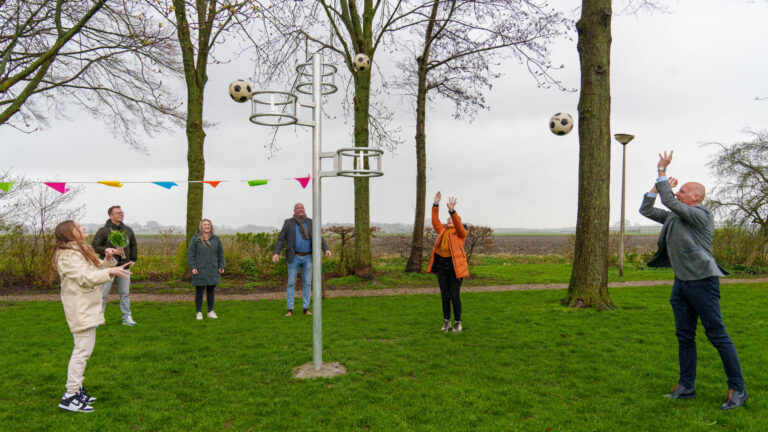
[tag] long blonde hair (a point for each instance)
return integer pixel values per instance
(203, 240)
(64, 235)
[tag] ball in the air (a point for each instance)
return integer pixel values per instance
(240, 91)
(361, 62)
(561, 123)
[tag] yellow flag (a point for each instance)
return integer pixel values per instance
(112, 183)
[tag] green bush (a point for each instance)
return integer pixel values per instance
(734, 246)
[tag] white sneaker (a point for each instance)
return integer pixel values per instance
(199, 316)
(212, 314)
(75, 402)
(129, 321)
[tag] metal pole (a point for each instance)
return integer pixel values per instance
(621, 234)
(317, 241)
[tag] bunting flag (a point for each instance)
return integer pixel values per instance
(303, 181)
(61, 187)
(166, 185)
(58, 187)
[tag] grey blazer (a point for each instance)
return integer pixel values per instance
(288, 237)
(685, 241)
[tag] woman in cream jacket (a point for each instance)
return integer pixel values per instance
(82, 274)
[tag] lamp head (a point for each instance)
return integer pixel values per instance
(624, 139)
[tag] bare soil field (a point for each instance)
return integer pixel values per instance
(519, 245)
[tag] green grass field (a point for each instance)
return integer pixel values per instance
(523, 363)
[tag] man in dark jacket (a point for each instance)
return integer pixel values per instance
(297, 237)
(127, 254)
(685, 244)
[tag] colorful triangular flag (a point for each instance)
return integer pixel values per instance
(303, 181)
(111, 183)
(58, 187)
(166, 185)
(257, 182)
(6, 186)
(213, 183)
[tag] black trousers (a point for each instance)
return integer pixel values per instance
(450, 287)
(199, 297)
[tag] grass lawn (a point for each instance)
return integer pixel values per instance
(495, 270)
(523, 363)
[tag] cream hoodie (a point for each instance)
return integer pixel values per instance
(80, 288)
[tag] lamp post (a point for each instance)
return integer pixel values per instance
(624, 139)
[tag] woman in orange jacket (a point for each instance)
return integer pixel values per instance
(449, 261)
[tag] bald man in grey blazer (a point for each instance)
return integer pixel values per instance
(685, 245)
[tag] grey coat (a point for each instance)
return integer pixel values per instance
(206, 259)
(685, 241)
(287, 237)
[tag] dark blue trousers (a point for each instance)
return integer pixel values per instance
(700, 299)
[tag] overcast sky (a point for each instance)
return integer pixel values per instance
(678, 80)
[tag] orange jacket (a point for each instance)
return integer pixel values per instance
(456, 242)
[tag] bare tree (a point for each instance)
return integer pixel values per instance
(199, 26)
(455, 51)
(106, 57)
(37, 209)
(741, 193)
(342, 28)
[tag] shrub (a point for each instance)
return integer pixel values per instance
(737, 246)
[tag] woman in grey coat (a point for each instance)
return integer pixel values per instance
(206, 259)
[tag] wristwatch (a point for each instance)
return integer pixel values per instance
(662, 169)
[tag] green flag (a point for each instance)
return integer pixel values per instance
(257, 182)
(6, 186)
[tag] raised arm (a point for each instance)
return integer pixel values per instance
(694, 215)
(436, 224)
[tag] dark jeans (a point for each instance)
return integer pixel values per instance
(449, 287)
(690, 301)
(199, 297)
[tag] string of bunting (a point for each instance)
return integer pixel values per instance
(61, 187)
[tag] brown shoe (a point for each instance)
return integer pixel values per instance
(307, 312)
(290, 313)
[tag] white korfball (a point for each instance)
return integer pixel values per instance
(240, 90)
(561, 123)
(361, 62)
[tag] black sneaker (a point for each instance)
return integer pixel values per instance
(88, 398)
(75, 402)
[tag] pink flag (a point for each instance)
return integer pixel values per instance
(303, 181)
(58, 187)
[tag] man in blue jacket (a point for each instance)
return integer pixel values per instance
(685, 245)
(296, 235)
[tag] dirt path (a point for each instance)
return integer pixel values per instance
(139, 297)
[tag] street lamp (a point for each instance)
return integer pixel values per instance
(624, 139)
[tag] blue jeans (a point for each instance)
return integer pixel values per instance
(700, 299)
(123, 288)
(305, 263)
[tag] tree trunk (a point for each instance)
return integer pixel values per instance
(363, 255)
(417, 239)
(589, 278)
(195, 160)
